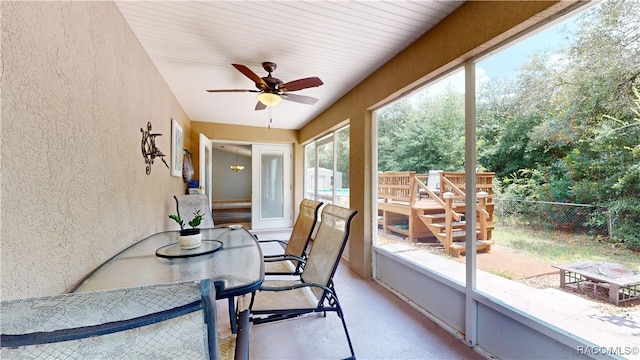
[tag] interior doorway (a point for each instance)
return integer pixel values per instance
(231, 188)
(239, 175)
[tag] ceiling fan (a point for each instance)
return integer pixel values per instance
(273, 90)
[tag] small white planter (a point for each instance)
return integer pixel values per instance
(190, 241)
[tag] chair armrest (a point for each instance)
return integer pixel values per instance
(296, 286)
(281, 242)
(283, 257)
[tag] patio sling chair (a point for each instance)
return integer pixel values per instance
(433, 183)
(158, 321)
(295, 249)
(313, 291)
(187, 204)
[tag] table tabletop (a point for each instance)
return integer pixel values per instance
(237, 269)
(607, 272)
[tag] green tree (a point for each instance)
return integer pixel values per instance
(567, 117)
(423, 133)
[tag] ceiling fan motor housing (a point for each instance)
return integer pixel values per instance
(272, 83)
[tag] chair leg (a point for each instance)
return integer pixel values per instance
(344, 323)
(346, 332)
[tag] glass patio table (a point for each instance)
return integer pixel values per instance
(236, 268)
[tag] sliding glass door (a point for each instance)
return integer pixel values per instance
(327, 168)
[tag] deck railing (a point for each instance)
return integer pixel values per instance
(396, 186)
(403, 185)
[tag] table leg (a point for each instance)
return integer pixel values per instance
(613, 293)
(242, 342)
(233, 319)
(562, 279)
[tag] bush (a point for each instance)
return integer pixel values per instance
(627, 215)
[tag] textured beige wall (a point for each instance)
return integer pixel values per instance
(76, 89)
(472, 29)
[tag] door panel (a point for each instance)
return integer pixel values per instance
(205, 165)
(271, 184)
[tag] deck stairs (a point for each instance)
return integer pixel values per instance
(436, 223)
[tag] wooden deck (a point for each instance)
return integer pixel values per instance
(407, 207)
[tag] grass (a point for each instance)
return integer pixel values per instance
(502, 273)
(556, 247)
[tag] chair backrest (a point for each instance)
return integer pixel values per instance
(433, 182)
(141, 322)
(303, 228)
(186, 205)
(328, 246)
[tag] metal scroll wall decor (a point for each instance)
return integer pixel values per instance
(149, 149)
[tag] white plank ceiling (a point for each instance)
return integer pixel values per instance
(194, 43)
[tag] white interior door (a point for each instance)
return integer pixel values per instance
(205, 164)
(271, 186)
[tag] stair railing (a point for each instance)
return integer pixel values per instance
(448, 220)
(483, 214)
(450, 214)
(450, 186)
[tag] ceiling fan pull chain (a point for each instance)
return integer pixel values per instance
(270, 117)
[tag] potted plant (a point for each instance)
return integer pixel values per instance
(189, 238)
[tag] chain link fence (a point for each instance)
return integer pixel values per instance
(543, 215)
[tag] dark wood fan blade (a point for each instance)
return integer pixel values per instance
(260, 106)
(251, 75)
(234, 90)
(300, 84)
(300, 99)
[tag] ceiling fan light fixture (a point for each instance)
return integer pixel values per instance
(269, 99)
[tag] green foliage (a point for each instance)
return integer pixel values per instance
(177, 219)
(627, 213)
(524, 184)
(198, 216)
(626, 190)
(565, 131)
(423, 133)
(197, 219)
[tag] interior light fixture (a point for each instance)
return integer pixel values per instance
(237, 167)
(269, 99)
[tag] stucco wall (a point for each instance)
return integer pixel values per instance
(76, 89)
